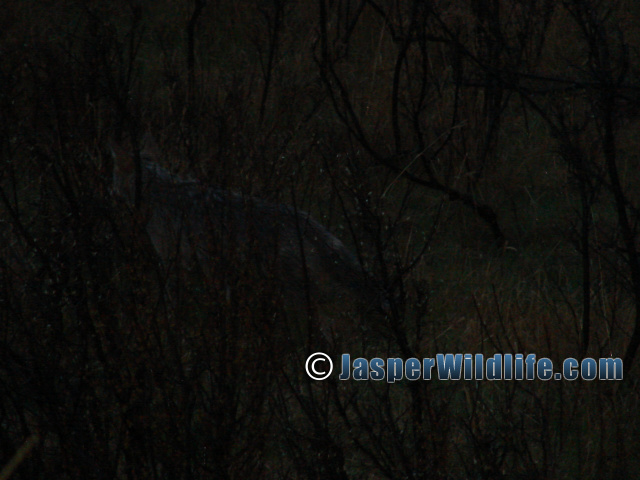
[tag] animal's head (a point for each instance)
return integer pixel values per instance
(124, 167)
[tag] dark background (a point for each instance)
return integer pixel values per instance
(480, 158)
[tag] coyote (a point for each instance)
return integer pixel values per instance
(190, 223)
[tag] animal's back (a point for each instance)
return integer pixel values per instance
(191, 224)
